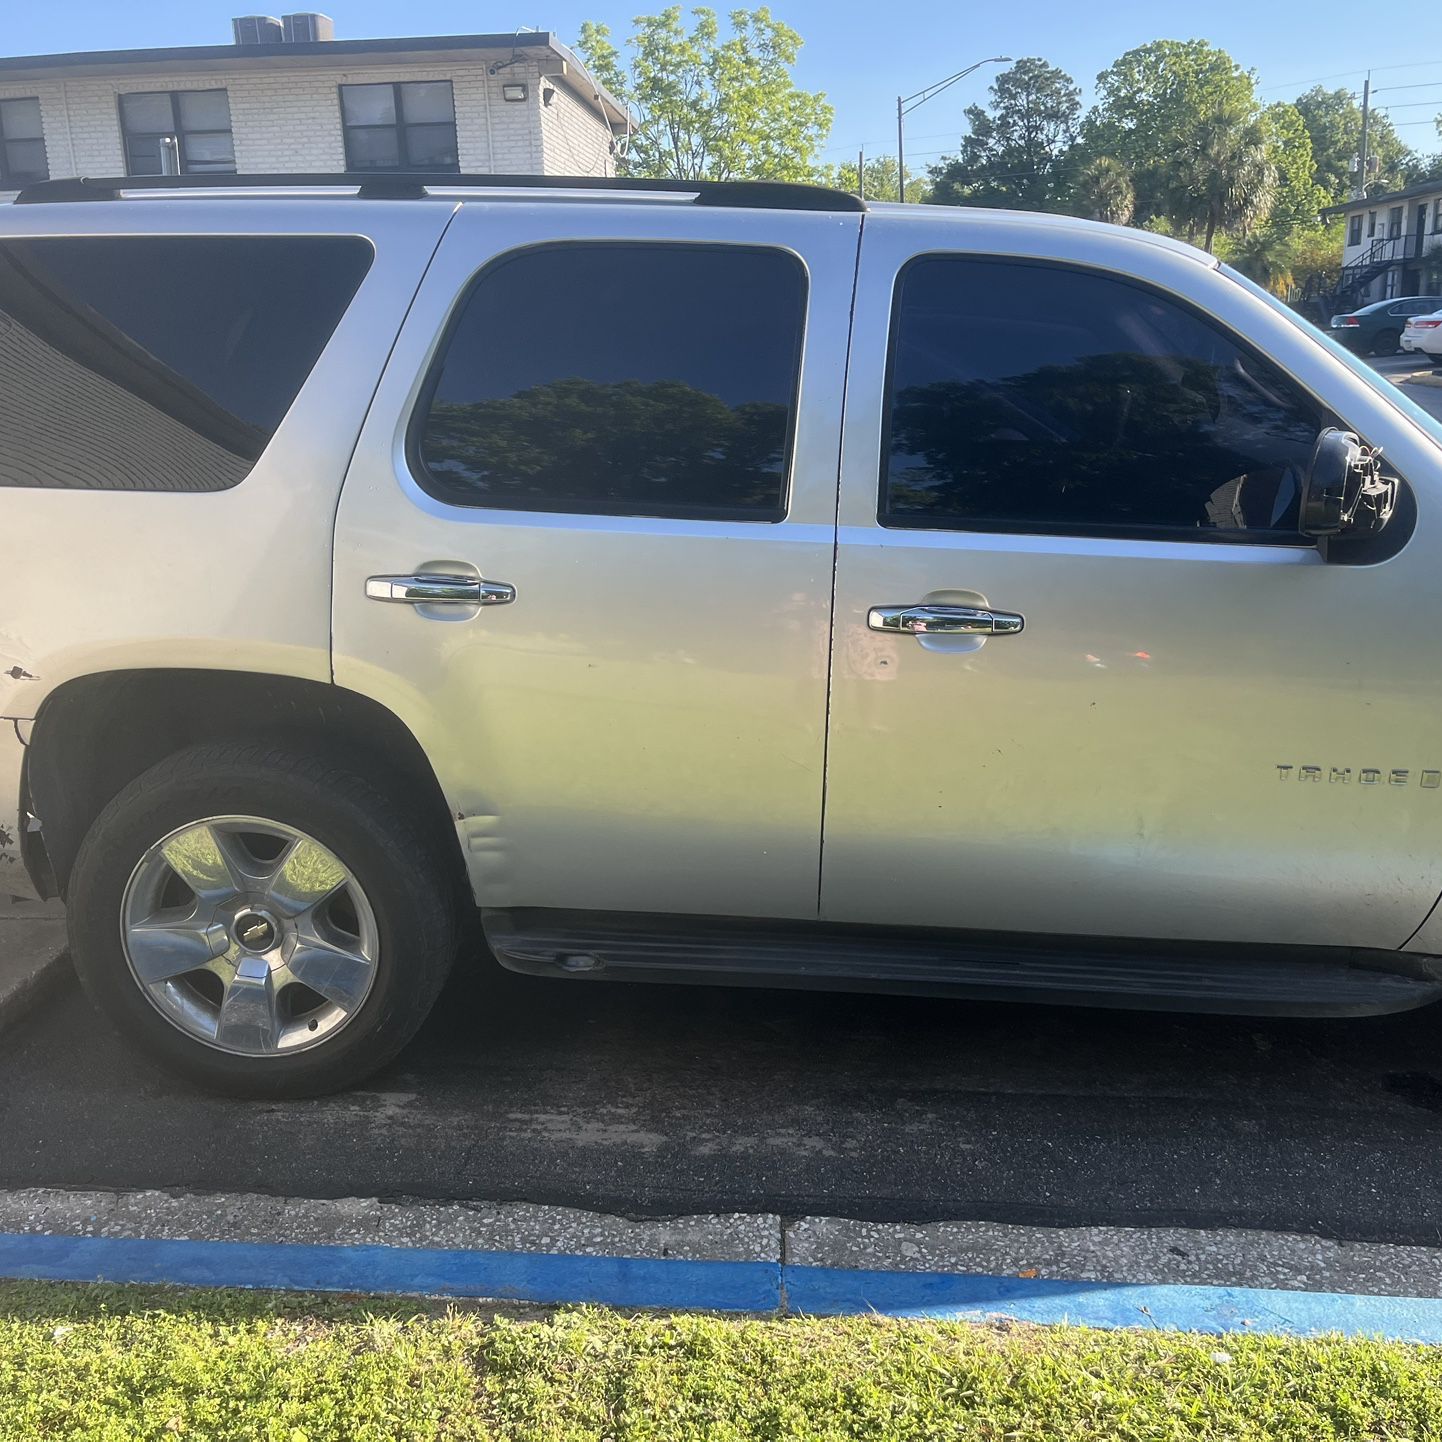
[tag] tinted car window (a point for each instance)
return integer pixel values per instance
(160, 363)
(1037, 398)
(654, 380)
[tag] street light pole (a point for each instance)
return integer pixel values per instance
(905, 104)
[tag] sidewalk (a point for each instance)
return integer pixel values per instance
(32, 952)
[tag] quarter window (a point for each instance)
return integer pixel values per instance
(196, 121)
(406, 126)
(159, 363)
(648, 380)
(22, 143)
(1035, 398)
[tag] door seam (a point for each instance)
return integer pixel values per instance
(835, 562)
(365, 416)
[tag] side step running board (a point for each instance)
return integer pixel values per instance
(1261, 980)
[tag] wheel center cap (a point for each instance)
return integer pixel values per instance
(254, 930)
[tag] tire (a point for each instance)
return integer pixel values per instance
(263, 806)
(1385, 342)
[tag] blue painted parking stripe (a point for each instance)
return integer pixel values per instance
(754, 1286)
(518, 1276)
(827, 1291)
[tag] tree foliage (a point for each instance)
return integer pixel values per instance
(880, 179)
(1103, 190)
(709, 107)
(1016, 150)
(1151, 105)
(1334, 124)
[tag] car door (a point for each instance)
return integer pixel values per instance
(623, 418)
(1173, 718)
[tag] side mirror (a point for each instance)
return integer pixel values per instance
(1344, 491)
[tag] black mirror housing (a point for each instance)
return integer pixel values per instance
(1344, 491)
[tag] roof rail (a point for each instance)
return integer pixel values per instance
(395, 185)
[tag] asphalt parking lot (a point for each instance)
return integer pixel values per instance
(652, 1101)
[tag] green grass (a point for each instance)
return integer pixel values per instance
(122, 1364)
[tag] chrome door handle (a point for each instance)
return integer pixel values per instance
(428, 588)
(944, 621)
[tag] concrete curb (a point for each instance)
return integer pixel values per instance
(32, 955)
(1209, 1281)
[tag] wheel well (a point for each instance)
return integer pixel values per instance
(94, 735)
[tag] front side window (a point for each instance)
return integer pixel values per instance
(196, 122)
(160, 363)
(613, 379)
(22, 144)
(1041, 399)
(1354, 230)
(405, 126)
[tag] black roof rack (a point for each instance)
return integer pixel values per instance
(393, 185)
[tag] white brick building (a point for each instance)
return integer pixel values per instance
(500, 104)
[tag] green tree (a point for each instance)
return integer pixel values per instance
(880, 179)
(1015, 154)
(1223, 174)
(1103, 190)
(1334, 123)
(1151, 104)
(1299, 198)
(708, 107)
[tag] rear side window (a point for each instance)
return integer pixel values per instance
(1036, 398)
(622, 380)
(160, 363)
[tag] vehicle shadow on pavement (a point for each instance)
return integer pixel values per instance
(653, 1099)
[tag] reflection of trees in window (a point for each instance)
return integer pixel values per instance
(1108, 440)
(634, 447)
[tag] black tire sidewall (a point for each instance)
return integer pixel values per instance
(1380, 346)
(371, 835)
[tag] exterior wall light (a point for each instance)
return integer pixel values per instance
(514, 92)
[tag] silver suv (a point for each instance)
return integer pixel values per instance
(725, 582)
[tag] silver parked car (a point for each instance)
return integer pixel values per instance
(726, 582)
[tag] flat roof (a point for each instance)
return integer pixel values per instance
(1410, 192)
(198, 59)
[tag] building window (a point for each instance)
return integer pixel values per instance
(1437, 217)
(676, 398)
(1371, 224)
(1394, 222)
(22, 143)
(1043, 399)
(197, 120)
(406, 126)
(1354, 230)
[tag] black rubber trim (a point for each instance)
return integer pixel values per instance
(1077, 971)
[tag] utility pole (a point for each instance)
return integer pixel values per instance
(907, 103)
(1362, 158)
(900, 152)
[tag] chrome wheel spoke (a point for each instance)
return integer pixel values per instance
(208, 860)
(340, 974)
(248, 1021)
(161, 948)
(305, 876)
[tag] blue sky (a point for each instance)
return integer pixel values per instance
(864, 54)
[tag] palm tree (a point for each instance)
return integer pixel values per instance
(1104, 191)
(1225, 178)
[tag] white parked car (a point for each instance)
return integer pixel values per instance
(1423, 335)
